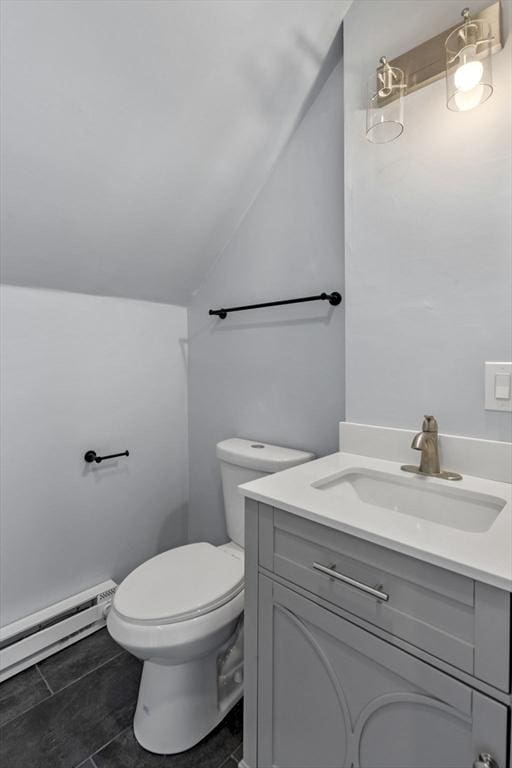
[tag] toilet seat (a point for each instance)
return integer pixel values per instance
(179, 585)
(175, 641)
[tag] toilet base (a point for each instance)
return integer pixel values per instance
(178, 704)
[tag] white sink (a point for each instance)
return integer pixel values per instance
(416, 496)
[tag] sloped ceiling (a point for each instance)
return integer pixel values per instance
(136, 133)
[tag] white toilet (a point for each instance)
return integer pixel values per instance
(182, 613)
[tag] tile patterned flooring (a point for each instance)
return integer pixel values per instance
(74, 710)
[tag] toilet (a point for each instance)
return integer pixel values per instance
(181, 612)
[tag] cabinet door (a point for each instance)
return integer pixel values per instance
(331, 695)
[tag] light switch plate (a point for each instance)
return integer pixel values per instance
(498, 381)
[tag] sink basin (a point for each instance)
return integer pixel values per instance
(417, 496)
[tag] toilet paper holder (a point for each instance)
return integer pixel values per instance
(91, 456)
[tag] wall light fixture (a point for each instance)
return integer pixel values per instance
(468, 64)
(385, 113)
(462, 54)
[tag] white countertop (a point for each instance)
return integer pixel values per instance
(485, 556)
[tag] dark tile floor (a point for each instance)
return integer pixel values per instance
(75, 709)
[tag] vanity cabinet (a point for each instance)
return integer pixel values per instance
(332, 694)
(328, 684)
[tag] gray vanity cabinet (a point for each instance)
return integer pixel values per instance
(332, 695)
(337, 679)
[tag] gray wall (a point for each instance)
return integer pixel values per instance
(428, 236)
(87, 372)
(275, 375)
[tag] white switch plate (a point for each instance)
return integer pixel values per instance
(495, 388)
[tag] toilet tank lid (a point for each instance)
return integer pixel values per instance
(260, 456)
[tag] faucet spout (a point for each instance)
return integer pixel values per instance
(426, 442)
(417, 441)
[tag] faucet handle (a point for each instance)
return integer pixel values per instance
(429, 424)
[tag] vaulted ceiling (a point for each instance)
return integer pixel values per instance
(136, 133)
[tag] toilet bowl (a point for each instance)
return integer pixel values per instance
(181, 612)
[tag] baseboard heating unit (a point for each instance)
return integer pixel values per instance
(33, 638)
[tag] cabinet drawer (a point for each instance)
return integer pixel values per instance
(462, 622)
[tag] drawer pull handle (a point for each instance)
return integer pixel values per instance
(352, 582)
(485, 761)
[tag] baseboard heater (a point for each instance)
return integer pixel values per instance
(33, 638)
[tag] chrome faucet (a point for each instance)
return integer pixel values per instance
(427, 442)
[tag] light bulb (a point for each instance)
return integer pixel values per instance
(468, 75)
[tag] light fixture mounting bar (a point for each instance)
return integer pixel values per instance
(425, 63)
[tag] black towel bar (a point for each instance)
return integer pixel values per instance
(333, 298)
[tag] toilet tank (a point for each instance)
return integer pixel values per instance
(245, 460)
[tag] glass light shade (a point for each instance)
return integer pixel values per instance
(468, 65)
(385, 108)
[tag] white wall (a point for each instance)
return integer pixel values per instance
(157, 123)
(84, 372)
(277, 374)
(428, 236)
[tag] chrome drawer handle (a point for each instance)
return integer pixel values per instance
(485, 761)
(352, 582)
